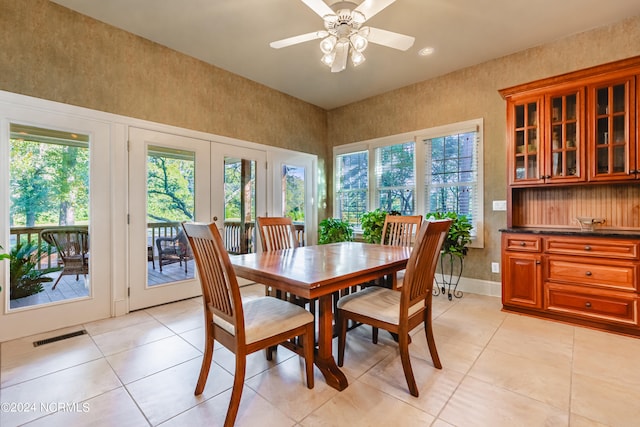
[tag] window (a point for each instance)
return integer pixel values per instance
(438, 169)
(352, 186)
(395, 178)
(451, 175)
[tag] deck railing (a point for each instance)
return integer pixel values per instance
(235, 240)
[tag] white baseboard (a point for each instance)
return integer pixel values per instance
(480, 287)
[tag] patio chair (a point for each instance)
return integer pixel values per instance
(72, 245)
(173, 249)
(242, 327)
(401, 311)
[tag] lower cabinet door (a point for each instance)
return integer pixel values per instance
(522, 280)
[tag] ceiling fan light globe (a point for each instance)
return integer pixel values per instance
(328, 59)
(358, 17)
(359, 42)
(327, 44)
(357, 58)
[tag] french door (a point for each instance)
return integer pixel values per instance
(54, 175)
(293, 191)
(175, 179)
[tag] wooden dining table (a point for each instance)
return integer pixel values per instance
(317, 272)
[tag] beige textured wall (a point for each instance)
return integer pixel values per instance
(50, 52)
(473, 93)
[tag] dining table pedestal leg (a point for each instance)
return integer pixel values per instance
(324, 359)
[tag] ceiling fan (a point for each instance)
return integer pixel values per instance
(344, 32)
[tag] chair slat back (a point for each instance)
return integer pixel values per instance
(421, 267)
(400, 230)
(277, 233)
(217, 277)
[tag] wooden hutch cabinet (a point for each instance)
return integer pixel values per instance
(572, 152)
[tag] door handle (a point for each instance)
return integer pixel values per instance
(215, 218)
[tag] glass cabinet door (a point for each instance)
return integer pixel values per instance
(611, 139)
(527, 150)
(564, 158)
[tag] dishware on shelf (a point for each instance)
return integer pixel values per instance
(588, 223)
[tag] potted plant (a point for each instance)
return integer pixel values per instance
(372, 223)
(454, 249)
(24, 278)
(334, 230)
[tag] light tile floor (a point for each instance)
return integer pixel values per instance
(500, 369)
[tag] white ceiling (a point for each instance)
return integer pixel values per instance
(235, 35)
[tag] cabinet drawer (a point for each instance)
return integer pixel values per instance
(521, 242)
(613, 275)
(597, 247)
(608, 306)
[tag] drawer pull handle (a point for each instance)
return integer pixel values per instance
(588, 273)
(587, 248)
(587, 304)
(523, 244)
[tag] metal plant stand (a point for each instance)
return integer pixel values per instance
(449, 280)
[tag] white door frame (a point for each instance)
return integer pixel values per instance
(279, 158)
(42, 318)
(141, 295)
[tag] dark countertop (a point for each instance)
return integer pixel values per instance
(574, 232)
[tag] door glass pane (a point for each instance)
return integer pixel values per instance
(49, 216)
(293, 198)
(170, 201)
(239, 205)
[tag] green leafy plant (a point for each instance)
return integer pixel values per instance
(334, 230)
(24, 278)
(372, 223)
(3, 256)
(459, 234)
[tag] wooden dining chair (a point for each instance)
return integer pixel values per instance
(400, 312)
(277, 233)
(400, 230)
(242, 327)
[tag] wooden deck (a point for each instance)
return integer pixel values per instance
(68, 288)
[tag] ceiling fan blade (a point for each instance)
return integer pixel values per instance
(340, 62)
(390, 39)
(298, 39)
(369, 8)
(319, 7)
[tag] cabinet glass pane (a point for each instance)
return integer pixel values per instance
(603, 160)
(556, 109)
(533, 114)
(602, 96)
(618, 159)
(520, 141)
(556, 167)
(602, 132)
(519, 116)
(618, 98)
(556, 137)
(572, 135)
(618, 130)
(532, 167)
(520, 168)
(572, 102)
(533, 141)
(572, 163)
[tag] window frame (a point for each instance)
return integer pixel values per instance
(418, 137)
